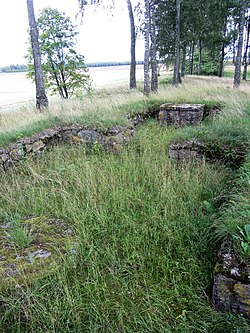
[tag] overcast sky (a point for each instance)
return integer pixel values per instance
(102, 37)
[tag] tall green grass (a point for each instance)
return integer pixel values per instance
(144, 262)
(235, 213)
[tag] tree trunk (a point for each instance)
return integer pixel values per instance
(132, 83)
(234, 45)
(153, 51)
(191, 59)
(240, 45)
(199, 58)
(183, 63)
(222, 57)
(41, 98)
(222, 51)
(245, 60)
(56, 77)
(64, 85)
(147, 50)
(176, 78)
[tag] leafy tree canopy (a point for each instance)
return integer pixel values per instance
(64, 69)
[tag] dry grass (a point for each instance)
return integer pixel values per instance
(106, 106)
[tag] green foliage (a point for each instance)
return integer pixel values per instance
(19, 235)
(208, 27)
(243, 237)
(64, 69)
(236, 211)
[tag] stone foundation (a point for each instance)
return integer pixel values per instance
(181, 114)
(112, 139)
(187, 151)
(196, 149)
(231, 289)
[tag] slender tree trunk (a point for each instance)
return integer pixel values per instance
(199, 58)
(132, 83)
(56, 77)
(191, 58)
(153, 52)
(183, 63)
(234, 45)
(245, 60)
(64, 85)
(237, 72)
(147, 49)
(176, 77)
(222, 51)
(222, 57)
(41, 98)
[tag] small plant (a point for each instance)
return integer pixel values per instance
(94, 148)
(244, 238)
(19, 235)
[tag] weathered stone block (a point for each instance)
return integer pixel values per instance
(186, 151)
(89, 137)
(35, 147)
(181, 114)
(231, 289)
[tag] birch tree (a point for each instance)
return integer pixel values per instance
(245, 56)
(176, 77)
(41, 98)
(132, 83)
(237, 72)
(153, 48)
(146, 46)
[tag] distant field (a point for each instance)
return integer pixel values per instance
(16, 88)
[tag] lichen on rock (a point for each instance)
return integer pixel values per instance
(231, 289)
(50, 240)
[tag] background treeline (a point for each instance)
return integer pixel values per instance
(13, 68)
(209, 34)
(23, 68)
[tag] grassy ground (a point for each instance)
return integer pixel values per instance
(145, 263)
(145, 225)
(105, 108)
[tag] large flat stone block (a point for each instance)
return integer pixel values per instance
(181, 114)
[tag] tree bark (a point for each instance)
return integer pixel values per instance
(176, 77)
(237, 72)
(183, 63)
(245, 60)
(41, 98)
(221, 63)
(199, 58)
(234, 45)
(153, 50)
(191, 59)
(222, 51)
(146, 45)
(132, 83)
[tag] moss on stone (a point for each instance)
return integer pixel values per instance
(52, 239)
